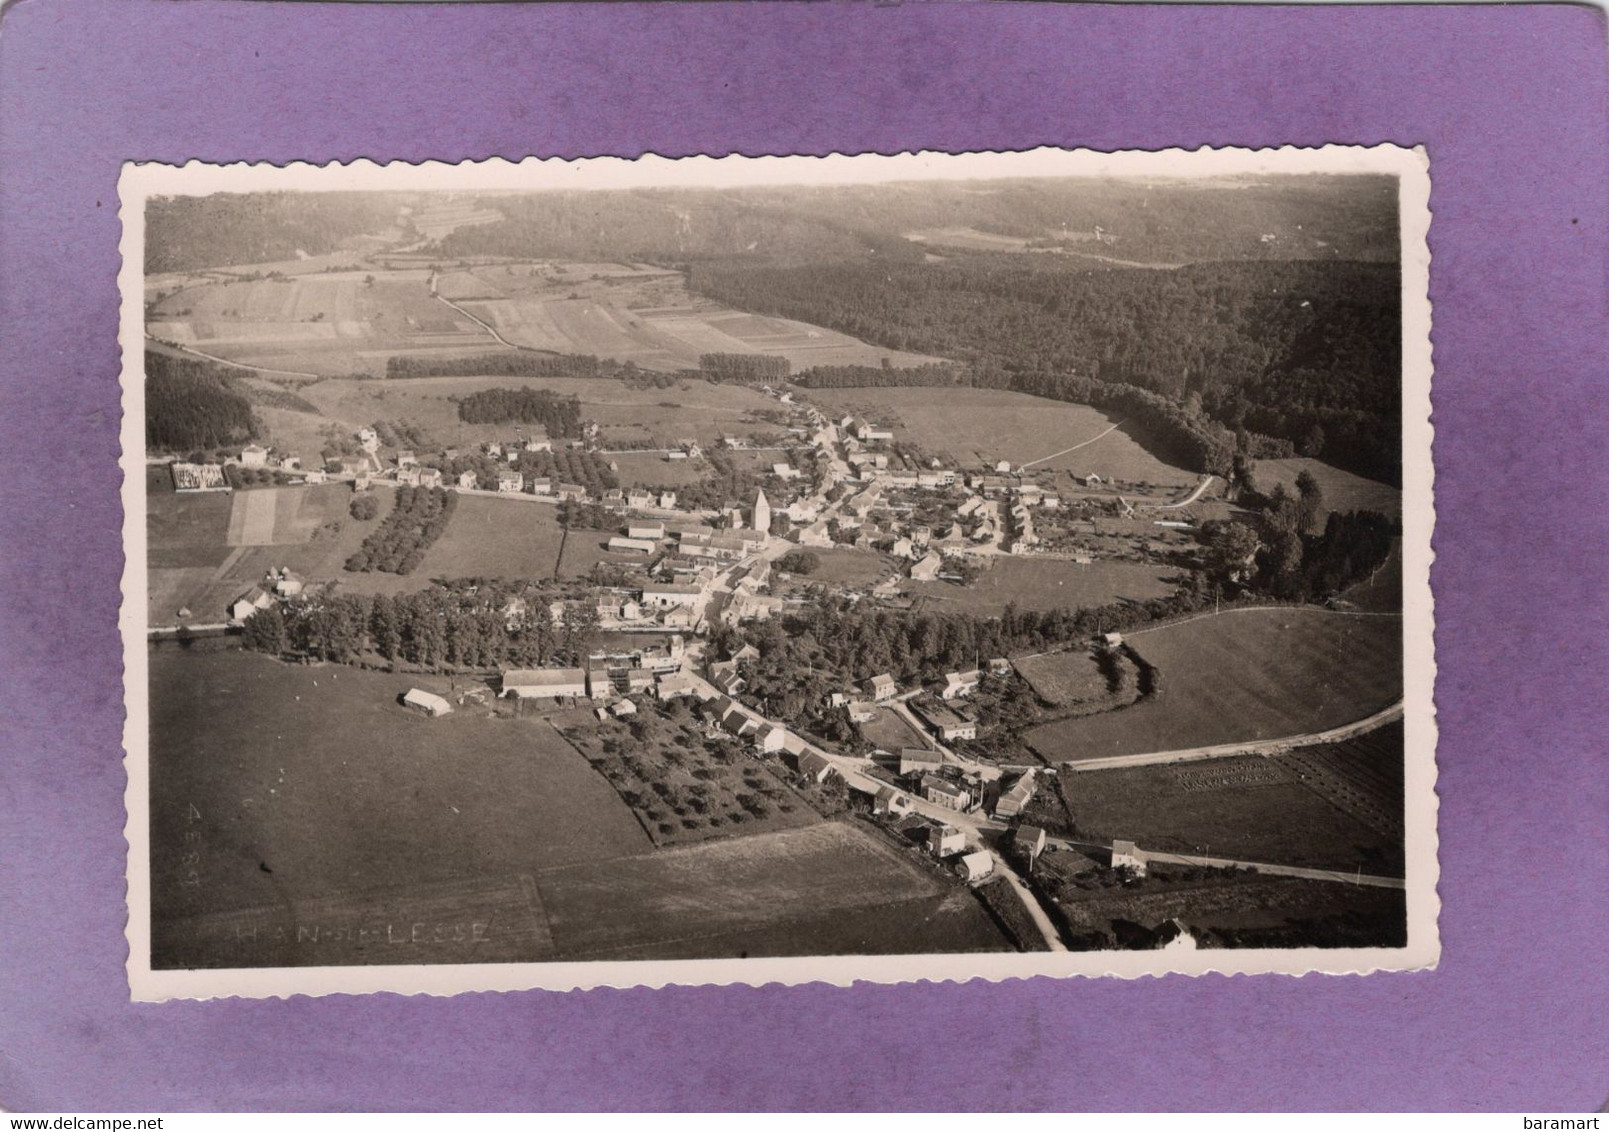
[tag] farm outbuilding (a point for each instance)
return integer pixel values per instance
(426, 702)
(975, 865)
(545, 683)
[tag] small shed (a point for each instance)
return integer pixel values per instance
(975, 866)
(427, 702)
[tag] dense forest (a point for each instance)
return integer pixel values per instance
(1306, 351)
(1269, 218)
(743, 367)
(190, 405)
(525, 363)
(558, 414)
(231, 229)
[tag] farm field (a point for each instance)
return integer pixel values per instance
(1242, 676)
(693, 408)
(846, 566)
(643, 315)
(969, 239)
(1046, 583)
(340, 321)
(309, 786)
(1065, 677)
(982, 426)
(1363, 776)
(1238, 910)
(489, 537)
(889, 731)
(1253, 809)
(830, 888)
(651, 469)
(1343, 491)
(205, 550)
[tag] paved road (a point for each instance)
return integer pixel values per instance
(1036, 910)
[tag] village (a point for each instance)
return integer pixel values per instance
(843, 482)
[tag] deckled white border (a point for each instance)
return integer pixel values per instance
(141, 181)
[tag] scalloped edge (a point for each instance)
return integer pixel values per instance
(140, 180)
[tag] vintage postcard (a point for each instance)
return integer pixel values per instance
(562, 574)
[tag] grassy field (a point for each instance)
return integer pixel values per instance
(308, 789)
(889, 731)
(1242, 676)
(334, 319)
(692, 409)
(497, 538)
(1342, 490)
(973, 426)
(651, 469)
(846, 566)
(205, 550)
(1046, 583)
(1253, 809)
(831, 888)
(643, 315)
(1064, 677)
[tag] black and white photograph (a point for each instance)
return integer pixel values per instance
(717, 570)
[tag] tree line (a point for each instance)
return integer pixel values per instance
(470, 624)
(559, 415)
(743, 367)
(520, 364)
(417, 518)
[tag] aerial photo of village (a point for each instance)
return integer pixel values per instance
(708, 573)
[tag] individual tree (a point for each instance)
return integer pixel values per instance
(1310, 500)
(264, 631)
(1231, 551)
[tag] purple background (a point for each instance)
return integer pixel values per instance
(1509, 101)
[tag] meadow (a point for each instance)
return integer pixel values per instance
(889, 731)
(336, 322)
(1045, 583)
(1241, 676)
(312, 784)
(489, 537)
(300, 816)
(846, 566)
(205, 550)
(641, 314)
(830, 888)
(982, 426)
(1252, 809)
(1342, 490)
(1064, 678)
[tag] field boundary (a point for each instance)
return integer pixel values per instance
(1265, 747)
